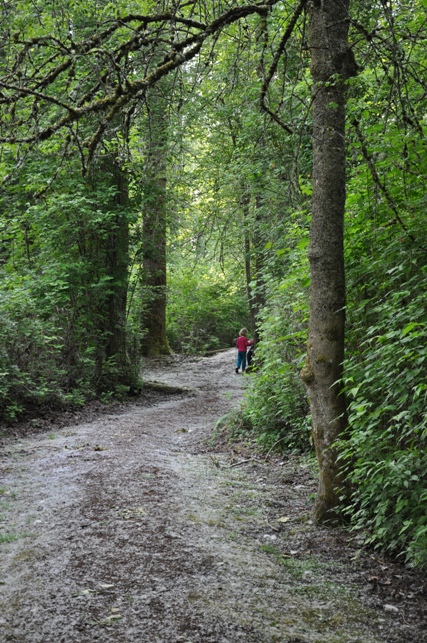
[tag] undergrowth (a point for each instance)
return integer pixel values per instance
(384, 453)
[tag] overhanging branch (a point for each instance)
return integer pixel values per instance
(273, 67)
(18, 88)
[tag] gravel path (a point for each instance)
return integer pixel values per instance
(129, 528)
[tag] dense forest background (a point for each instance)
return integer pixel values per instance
(156, 195)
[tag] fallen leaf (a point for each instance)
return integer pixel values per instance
(106, 585)
(283, 519)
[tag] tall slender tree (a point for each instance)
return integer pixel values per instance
(332, 63)
(116, 258)
(153, 315)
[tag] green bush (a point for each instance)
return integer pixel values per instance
(30, 354)
(276, 403)
(50, 353)
(385, 452)
(276, 406)
(205, 311)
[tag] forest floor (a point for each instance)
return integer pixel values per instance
(126, 526)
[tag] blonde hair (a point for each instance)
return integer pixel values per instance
(243, 332)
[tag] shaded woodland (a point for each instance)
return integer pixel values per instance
(172, 171)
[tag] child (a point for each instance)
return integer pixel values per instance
(250, 355)
(242, 343)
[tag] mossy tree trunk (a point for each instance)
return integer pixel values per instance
(118, 266)
(153, 315)
(331, 65)
(114, 367)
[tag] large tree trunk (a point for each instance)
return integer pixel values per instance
(332, 64)
(153, 317)
(113, 314)
(117, 267)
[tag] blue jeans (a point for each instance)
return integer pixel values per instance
(241, 360)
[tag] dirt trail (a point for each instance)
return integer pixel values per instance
(126, 529)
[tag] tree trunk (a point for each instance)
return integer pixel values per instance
(244, 202)
(258, 243)
(153, 316)
(116, 257)
(117, 268)
(254, 259)
(332, 63)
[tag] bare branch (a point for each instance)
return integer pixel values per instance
(273, 68)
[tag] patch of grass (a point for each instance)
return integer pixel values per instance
(27, 555)
(296, 567)
(10, 494)
(8, 538)
(319, 590)
(230, 428)
(271, 549)
(237, 483)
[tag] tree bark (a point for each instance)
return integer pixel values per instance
(331, 64)
(254, 259)
(117, 267)
(153, 317)
(244, 202)
(113, 317)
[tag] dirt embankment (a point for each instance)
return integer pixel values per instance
(129, 528)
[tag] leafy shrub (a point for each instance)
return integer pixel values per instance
(276, 406)
(50, 353)
(30, 354)
(205, 311)
(385, 452)
(276, 403)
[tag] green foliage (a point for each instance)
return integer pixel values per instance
(205, 310)
(58, 279)
(385, 452)
(30, 353)
(8, 538)
(238, 186)
(276, 406)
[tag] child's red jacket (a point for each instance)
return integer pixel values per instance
(243, 342)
